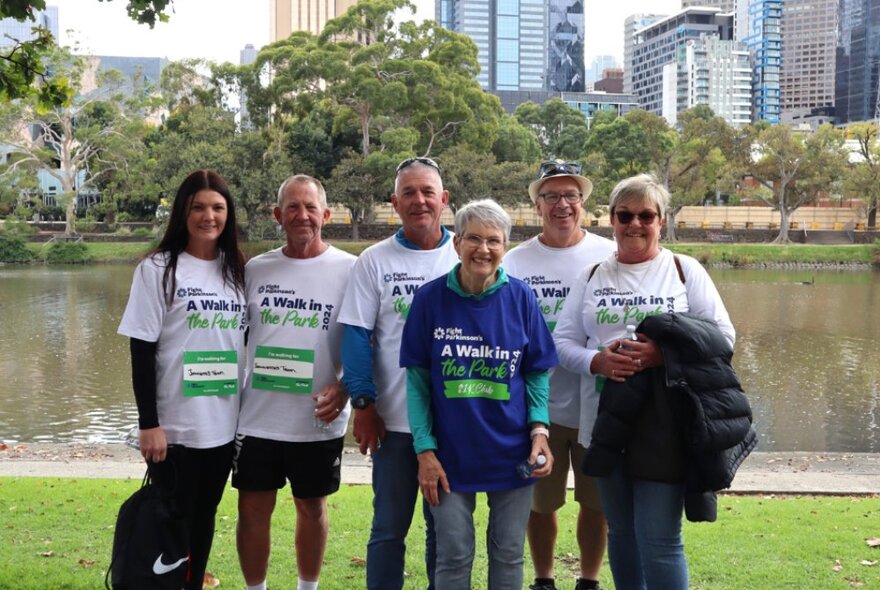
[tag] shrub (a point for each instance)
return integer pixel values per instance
(13, 249)
(142, 232)
(67, 253)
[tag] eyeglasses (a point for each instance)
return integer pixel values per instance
(475, 241)
(548, 169)
(646, 217)
(420, 160)
(553, 198)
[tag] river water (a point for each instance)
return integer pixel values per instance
(807, 354)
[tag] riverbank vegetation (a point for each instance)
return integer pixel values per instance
(709, 254)
(352, 120)
(57, 533)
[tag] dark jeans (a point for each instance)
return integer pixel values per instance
(196, 478)
(395, 494)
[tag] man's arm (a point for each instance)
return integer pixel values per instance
(357, 376)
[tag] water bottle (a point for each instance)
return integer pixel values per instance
(630, 335)
(525, 468)
(318, 423)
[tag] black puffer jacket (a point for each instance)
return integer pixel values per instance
(713, 419)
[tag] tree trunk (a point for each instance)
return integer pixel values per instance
(70, 215)
(784, 216)
(872, 216)
(670, 226)
(355, 230)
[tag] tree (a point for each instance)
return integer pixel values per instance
(796, 168)
(360, 182)
(863, 179)
(75, 143)
(697, 164)
(23, 71)
(561, 130)
(22, 65)
(516, 142)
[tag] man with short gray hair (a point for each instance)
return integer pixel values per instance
(549, 263)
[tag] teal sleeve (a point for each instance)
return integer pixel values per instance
(537, 396)
(418, 408)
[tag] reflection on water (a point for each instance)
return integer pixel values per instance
(807, 355)
(65, 372)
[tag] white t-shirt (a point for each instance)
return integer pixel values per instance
(550, 272)
(378, 298)
(200, 347)
(598, 310)
(294, 345)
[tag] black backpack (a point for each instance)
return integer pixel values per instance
(150, 543)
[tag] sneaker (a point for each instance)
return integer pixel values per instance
(582, 585)
(543, 584)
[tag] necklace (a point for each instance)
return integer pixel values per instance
(645, 273)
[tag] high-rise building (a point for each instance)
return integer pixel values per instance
(857, 61)
(598, 65)
(522, 44)
(712, 72)
(759, 26)
(248, 55)
(726, 6)
(611, 81)
(287, 16)
(656, 46)
(633, 23)
(809, 39)
(12, 30)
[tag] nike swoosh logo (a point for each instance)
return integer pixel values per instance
(160, 568)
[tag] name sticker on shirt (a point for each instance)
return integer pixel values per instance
(477, 388)
(210, 372)
(283, 370)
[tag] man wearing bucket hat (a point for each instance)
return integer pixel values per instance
(549, 263)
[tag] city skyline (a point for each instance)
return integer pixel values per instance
(105, 29)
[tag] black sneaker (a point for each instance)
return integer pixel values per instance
(543, 584)
(582, 584)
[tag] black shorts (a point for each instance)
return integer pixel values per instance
(313, 468)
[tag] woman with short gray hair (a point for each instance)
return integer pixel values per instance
(477, 354)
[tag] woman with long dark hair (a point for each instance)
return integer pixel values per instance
(185, 318)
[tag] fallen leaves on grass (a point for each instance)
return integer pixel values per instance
(47, 554)
(869, 562)
(210, 581)
(358, 560)
(837, 565)
(87, 562)
(872, 542)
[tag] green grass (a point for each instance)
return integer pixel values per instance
(56, 534)
(745, 254)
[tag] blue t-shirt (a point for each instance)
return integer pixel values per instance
(477, 352)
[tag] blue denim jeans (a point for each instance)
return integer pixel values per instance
(395, 492)
(644, 532)
(454, 526)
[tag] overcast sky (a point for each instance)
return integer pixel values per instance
(219, 29)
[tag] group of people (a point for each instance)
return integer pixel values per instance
(469, 369)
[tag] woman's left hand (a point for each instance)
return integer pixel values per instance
(541, 446)
(644, 353)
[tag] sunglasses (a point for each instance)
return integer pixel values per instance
(549, 169)
(647, 217)
(420, 160)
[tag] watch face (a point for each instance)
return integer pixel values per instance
(360, 403)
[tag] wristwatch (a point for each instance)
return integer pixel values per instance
(362, 402)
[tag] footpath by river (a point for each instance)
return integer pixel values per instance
(762, 473)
